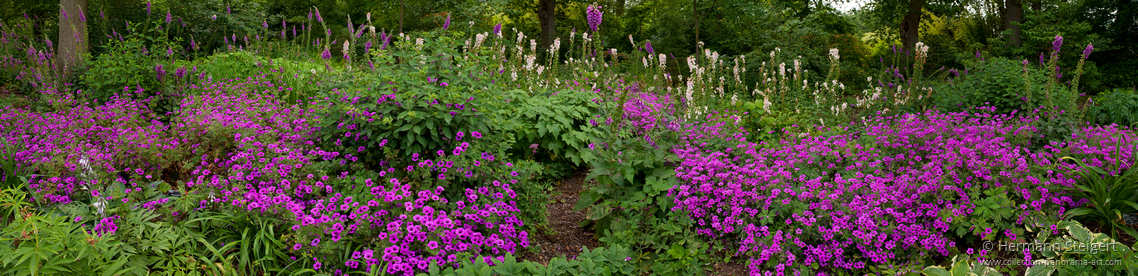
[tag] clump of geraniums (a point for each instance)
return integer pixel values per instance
(408, 228)
(904, 186)
(82, 148)
(274, 170)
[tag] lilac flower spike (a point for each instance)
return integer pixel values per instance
(1087, 51)
(1057, 44)
(594, 15)
(648, 47)
(447, 23)
(498, 28)
(147, 8)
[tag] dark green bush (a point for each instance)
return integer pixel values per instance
(417, 101)
(1115, 107)
(126, 63)
(999, 82)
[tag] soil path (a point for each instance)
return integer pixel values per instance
(566, 237)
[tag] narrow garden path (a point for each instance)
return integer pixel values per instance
(566, 237)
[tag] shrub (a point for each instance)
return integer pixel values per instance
(999, 82)
(1116, 107)
(419, 101)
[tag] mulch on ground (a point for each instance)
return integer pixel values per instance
(566, 237)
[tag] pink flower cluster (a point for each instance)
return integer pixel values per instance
(876, 196)
(85, 146)
(247, 151)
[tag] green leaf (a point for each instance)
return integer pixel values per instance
(935, 271)
(1040, 270)
(586, 200)
(1078, 232)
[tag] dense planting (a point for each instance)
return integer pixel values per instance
(280, 150)
(906, 185)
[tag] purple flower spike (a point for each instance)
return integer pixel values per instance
(648, 47)
(159, 71)
(1087, 51)
(1057, 44)
(447, 23)
(147, 8)
(498, 28)
(326, 55)
(594, 15)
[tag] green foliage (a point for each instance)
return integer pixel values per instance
(962, 265)
(1116, 107)
(560, 126)
(1109, 193)
(37, 242)
(416, 99)
(599, 261)
(1082, 252)
(124, 64)
(243, 243)
(664, 245)
(998, 82)
(10, 177)
(298, 80)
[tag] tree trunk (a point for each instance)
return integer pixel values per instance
(911, 24)
(1013, 15)
(695, 14)
(72, 35)
(401, 16)
(547, 16)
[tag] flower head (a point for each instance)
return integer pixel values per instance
(1058, 43)
(1087, 51)
(594, 15)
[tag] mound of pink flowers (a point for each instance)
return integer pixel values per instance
(243, 150)
(895, 188)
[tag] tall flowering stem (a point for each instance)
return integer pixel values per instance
(1053, 66)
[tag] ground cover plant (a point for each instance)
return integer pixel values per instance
(219, 142)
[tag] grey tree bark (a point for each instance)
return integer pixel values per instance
(547, 16)
(1013, 15)
(911, 24)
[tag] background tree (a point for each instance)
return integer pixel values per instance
(72, 34)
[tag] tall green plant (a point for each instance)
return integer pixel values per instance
(1109, 194)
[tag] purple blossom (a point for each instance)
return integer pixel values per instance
(1058, 43)
(1087, 51)
(594, 15)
